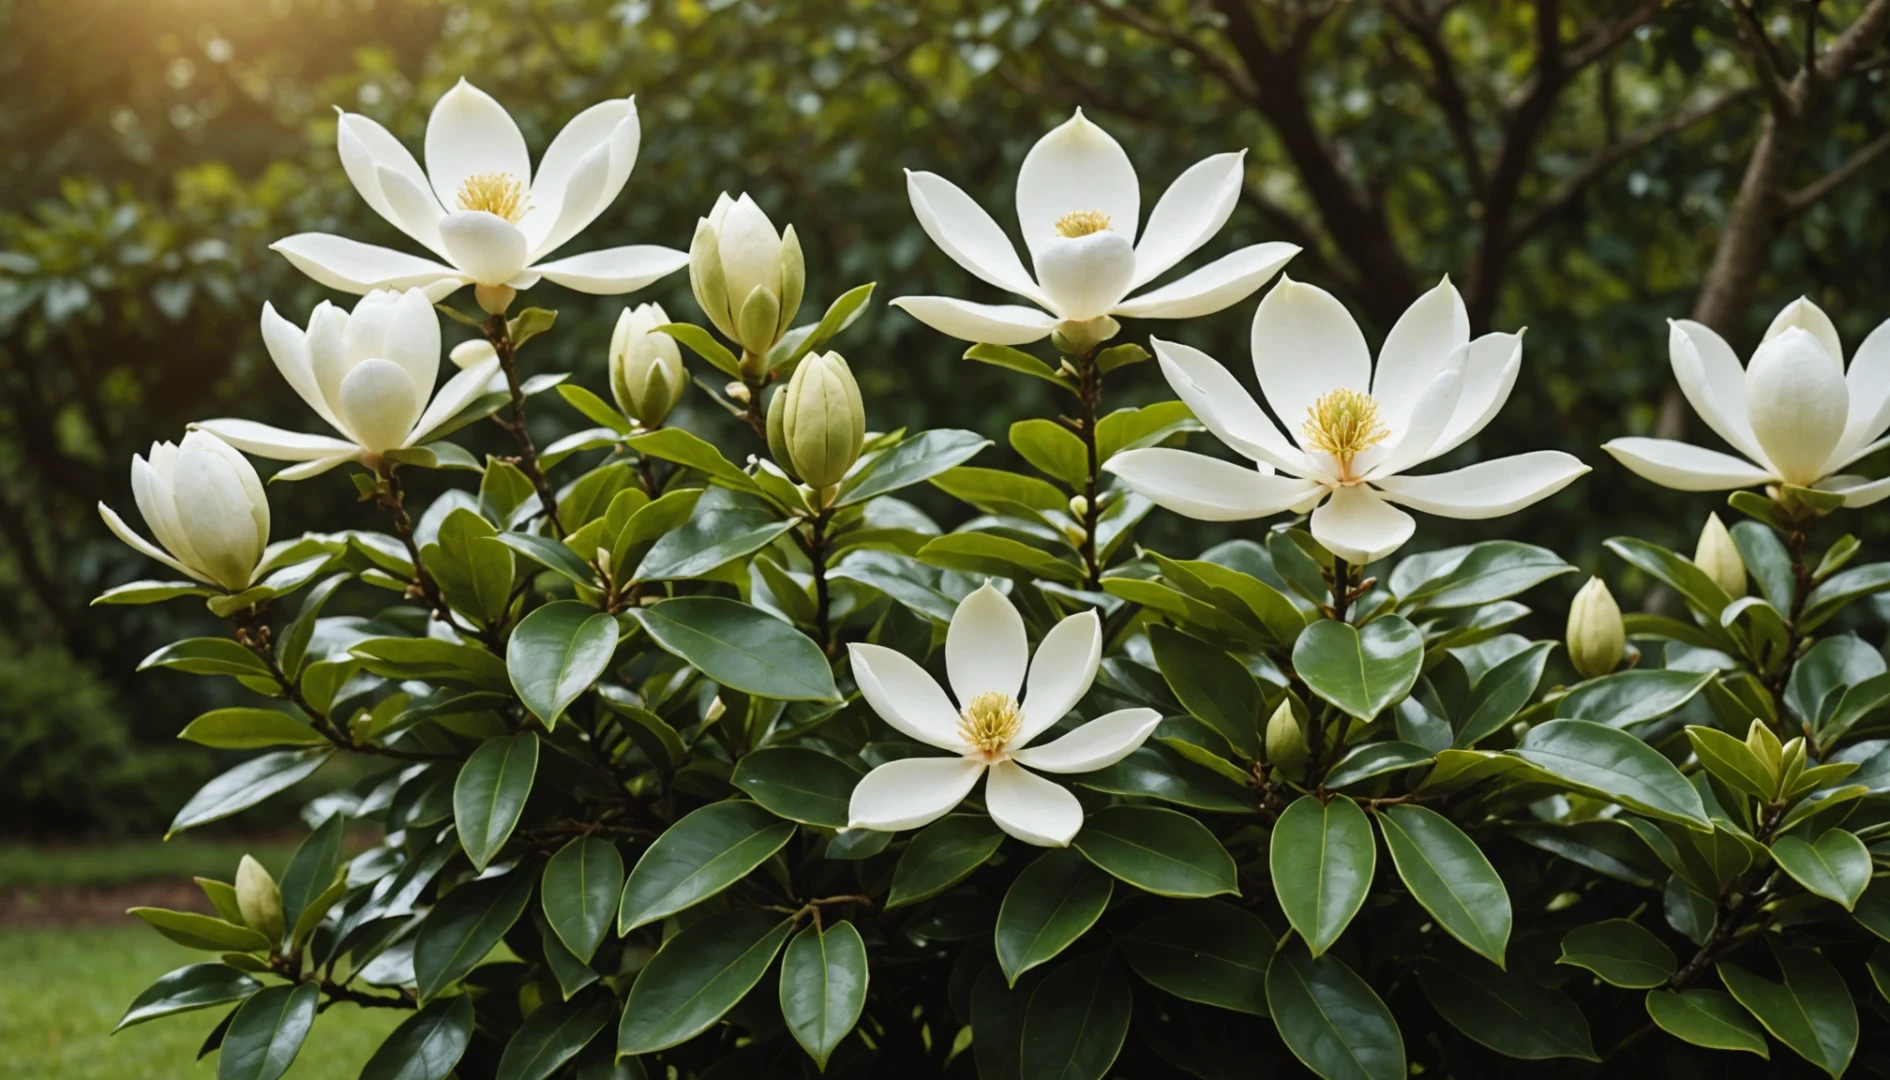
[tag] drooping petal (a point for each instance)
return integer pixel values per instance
(1869, 382)
(1857, 490)
(903, 695)
(1060, 674)
(989, 324)
(459, 392)
(486, 247)
(308, 469)
(1205, 488)
(380, 403)
(413, 338)
(470, 134)
(1424, 338)
(962, 230)
(1809, 317)
(1077, 166)
(1306, 345)
(911, 792)
(1220, 284)
(288, 347)
(1685, 467)
(1487, 489)
(1031, 808)
(354, 267)
(985, 648)
(1424, 423)
(1714, 383)
(274, 442)
(1798, 403)
(1359, 526)
(1085, 277)
(369, 150)
(1188, 214)
(613, 271)
(582, 190)
(1219, 401)
(1098, 744)
(1490, 365)
(142, 546)
(612, 125)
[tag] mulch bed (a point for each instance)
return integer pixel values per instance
(50, 907)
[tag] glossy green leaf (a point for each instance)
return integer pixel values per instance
(464, 926)
(1053, 450)
(312, 872)
(490, 794)
(1448, 874)
(250, 729)
(1732, 761)
(246, 785)
(194, 931)
(553, 1034)
(1052, 903)
(580, 891)
(426, 1045)
(1376, 759)
(267, 1032)
(741, 647)
(1707, 1018)
(1505, 1011)
(697, 976)
(1622, 952)
(1679, 574)
(1331, 1019)
(799, 783)
(556, 653)
(1840, 589)
(1811, 1011)
(1482, 574)
(1321, 861)
(1626, 698)
(914, 460)
(1000, 556)
(474, 575)
(1077, 1020)
(207, 656)
(1361, 671)
(1158, 851)
(823, 987)
(1835, 866)
(432, 660)
(1820, 676)
(699, 856)
(1501, 693)
(196, 986)
(1615, 765)
(1215, 688)
(722, 528)
(551, 554)
(1206, 951)
(942, 855)
(1019, 361)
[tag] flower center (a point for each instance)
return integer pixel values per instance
(990, 722)
(1344, 423)
(497, 193)
(1082, 223)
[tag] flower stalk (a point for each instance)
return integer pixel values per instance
(499, 334)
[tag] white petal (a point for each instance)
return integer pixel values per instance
(582, 191)
(274, 442)
(1490, 365)
(903, 695)
(611, 124)
(1085, 277)
(1869, 382)
(142, 546)
(1220, 284)
(1487, 489)
(1798, 403)
(989, 324)
(1857, 490)
(459, 392)
(962, 230)
(308, 469)
(288, 347)
(1060, 674)
(1218, 400)
(1188, 214)
(1076, 166)
(1098, 744)
(1205, 488)
(369, 150)
(157, 502)
(1422, 341)
(1423, 425)
(351, 266)
(1809, 317)
(1714, 383)
(1359, 527)
(1304, 346)
(612, 271)
(214, 508)
(1031, 808)
(751, 250)
(985, 649)
(911, 792)
(469, 134)
(246, 475)
(380, 403)
(487, 248)
(328, 361)
(1685, 467)
(413, 338)
(413, 205)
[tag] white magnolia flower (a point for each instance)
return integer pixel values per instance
(368, 374)
(1078, 203)
(991, 729)
(1355, 430)
(1795, 413)
(205, 504)
(479, 206)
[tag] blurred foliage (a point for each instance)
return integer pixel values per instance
(153, 149)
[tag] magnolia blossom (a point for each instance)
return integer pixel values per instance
(747, 278)
(479, 206)
(1354, 430)
(991, 728)
(1795, 413)
(205, 504)
(1078, 202)
(368, 374)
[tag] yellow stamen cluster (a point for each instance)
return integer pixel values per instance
(1344, 423)
(1082, 223)
(990, 721)
(497, 193)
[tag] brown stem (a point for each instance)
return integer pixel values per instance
(502, 343)
(1795, 542)
(254, 635)
(1089, 393)
(392, 499)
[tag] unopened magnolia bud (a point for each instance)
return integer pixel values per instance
(204, 504)
(1718, 556)
(1286, 743)
(1079, 507)
(747, 277)
(737, 392)
(1596, 636)
(818, 421)
(494, 299)
(1765, 746)
(472, 353)
(715, 710)
(258, 899)
(646, 368)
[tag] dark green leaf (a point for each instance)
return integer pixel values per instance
(197, 986)
(1811, 1011)
(207, 656)
(1155, 771)
(553, 1034)
(556, 653)
(1321, 860)
(1376, 759)
(1019, 361)
(741, 647)
(1840, 589)
(1501, 693)
(914, 460)
(1766, 560)
(1001, 556)
(1077, 1020)
(722, 528)
(246, 785)
(490, 794)
(941, 855)
(799, 784)
(1205, 951)
(427, 1044)
(1612, 764)
(1157, 851)
(1052, 903)
(1482, 574)
(1505, 1011)
(1732, 761)
(1052, 450)
(823, 987)
(699, 856)
(1835, 866)
(1448, 874)
(1707, 1018)
(1363, 672)
(580, 891)
(312, 870)
(1621, 952)
(550, 554)
(1215, 688)
(464, 926)
(697, 976)
(1331, 1019)
(267, 1032)
(250, 729)
(1691, 582)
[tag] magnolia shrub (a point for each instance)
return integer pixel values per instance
(684, 761)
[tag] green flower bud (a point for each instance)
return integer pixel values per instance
(1079, 507)
(760, 316)
(736, 255)
(258, 898)
(777, 434)
(1718, 556)
(821, 421)
(1286, 742)
(1596, 636)
(1765, 746)
(793, 279)
(705, 276)
(646, 368)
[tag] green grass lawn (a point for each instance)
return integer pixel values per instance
(135, 860)
(62, 990)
